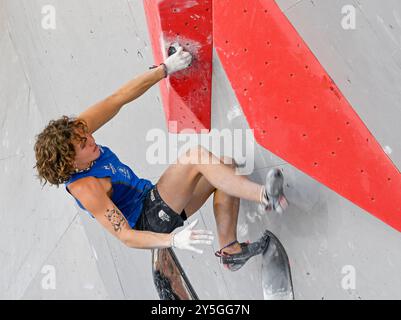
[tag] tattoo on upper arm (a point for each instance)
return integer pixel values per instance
(116, 218)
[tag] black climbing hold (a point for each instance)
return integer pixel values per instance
(171, 50)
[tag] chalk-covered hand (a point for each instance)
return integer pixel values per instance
(186, 238)
(179, 60)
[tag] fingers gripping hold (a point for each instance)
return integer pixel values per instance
(179, 60)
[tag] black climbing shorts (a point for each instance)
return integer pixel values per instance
(157, 216)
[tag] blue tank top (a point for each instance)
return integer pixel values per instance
(129, 191)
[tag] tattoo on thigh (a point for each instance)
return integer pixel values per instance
(116, 218)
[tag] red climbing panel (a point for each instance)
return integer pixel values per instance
(187, 94)
(297, 111)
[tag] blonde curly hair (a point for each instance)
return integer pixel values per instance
(54, 149)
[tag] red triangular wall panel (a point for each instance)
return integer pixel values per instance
(186, 95)
(297, 111)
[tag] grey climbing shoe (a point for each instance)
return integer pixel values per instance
(274, 198)
(234, 262)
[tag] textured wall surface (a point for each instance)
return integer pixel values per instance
(99, 45)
